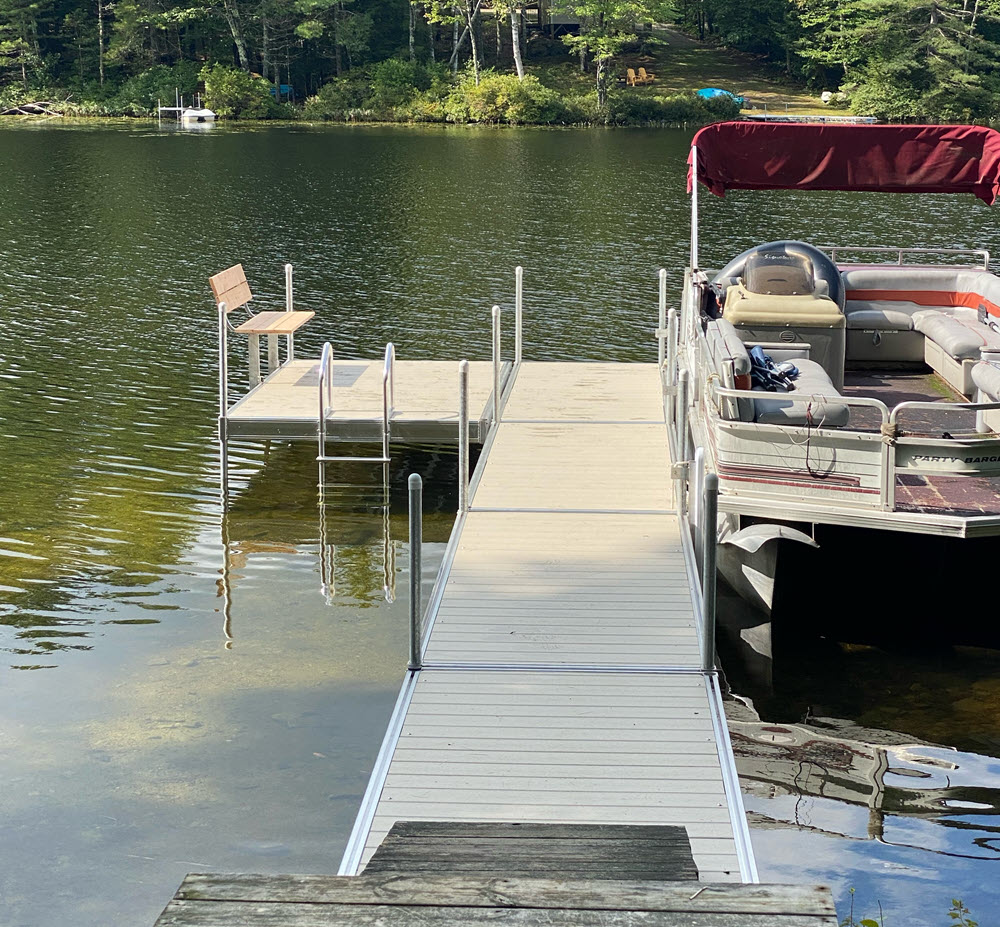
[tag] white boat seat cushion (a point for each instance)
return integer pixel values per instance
(962, 339)
(820, 411)
(987, 378)
(879, 317)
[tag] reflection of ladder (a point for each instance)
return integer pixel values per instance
(326, 407)
(328, 550)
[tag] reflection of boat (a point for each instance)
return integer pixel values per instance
(828, 766)
(855, 453)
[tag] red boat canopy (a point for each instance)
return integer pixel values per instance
(888, 159)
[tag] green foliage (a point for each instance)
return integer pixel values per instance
(338, 98)
(628, 108)
(502, 98)
(139, 94)
(236, 94)
(395, 82)
(959, 914)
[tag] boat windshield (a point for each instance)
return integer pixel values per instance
(776, 273)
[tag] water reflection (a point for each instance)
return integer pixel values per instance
(866, 761)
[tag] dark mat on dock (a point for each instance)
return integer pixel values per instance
(548, 851)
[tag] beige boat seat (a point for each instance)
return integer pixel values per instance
(744, 307)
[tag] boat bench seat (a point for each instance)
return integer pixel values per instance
(813, 384)
(986, 378)
(819, 406)
(941, 306)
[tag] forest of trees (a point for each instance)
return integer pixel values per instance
(897, 59)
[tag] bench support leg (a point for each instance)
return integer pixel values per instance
(253, 359)
(272, 353)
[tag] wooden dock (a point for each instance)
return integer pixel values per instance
(456, 875)
(561, 677)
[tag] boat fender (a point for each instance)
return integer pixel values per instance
(754, 537)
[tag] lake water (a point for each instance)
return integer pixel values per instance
(178, 690)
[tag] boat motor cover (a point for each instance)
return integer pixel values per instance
(825, 274)
(886, 159)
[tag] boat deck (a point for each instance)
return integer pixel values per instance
(424, 409)
(561, 678)
(957, 495)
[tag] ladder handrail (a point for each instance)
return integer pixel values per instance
(325, 388)
(388, 393)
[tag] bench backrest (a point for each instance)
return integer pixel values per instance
(643, 75)
(631, 74)
(230, 287)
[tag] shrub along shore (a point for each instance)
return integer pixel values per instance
(393, 90)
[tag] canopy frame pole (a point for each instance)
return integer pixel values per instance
(694, 207)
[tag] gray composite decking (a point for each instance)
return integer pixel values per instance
(425, 406)
(561, 681)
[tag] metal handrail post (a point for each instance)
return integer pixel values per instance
(661, 350)
(289, 302)
(697, 501)
(709, 545)
(496, 365)
(416, 542)
(518, 312)
(223, 399)
(681, 414)
(694, 207)
(673, 328)
(325, 402)
(388, 394)
(463, 436)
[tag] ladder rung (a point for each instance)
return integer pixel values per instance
(382, 460)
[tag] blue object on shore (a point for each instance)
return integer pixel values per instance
(710, 93)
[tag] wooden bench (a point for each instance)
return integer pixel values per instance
(231, 291)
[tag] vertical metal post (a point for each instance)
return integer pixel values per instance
(463, 436)
(496, 365)
(681, 414)
(416, 542)
(697, 501)
(253, 359)
(710, 536)
(289, 303)
(518, 311)
(272, 353)
(694, 207)
(223, 402)
(673, 323)
(661, 347)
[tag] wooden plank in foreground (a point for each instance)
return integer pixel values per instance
(449, 901)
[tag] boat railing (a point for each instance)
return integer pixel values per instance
(855, 450)
(982, 255)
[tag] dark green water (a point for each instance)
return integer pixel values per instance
(177, 691)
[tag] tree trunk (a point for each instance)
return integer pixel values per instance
(338, 63)
(232, 13)
(100, 40)
(430, 38)
(602, 84)
(413, 26)
(515, 41)
(454, 44)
